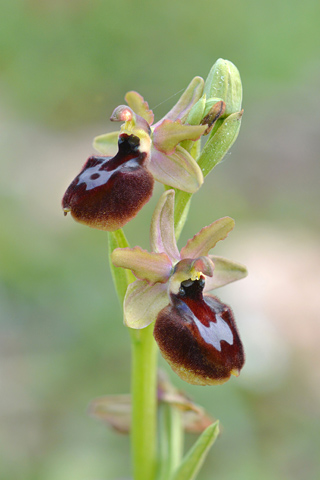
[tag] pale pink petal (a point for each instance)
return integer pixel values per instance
(225, 271)
(203, 241)
(113, 410)
(190, 96)
(179, 170)
(162, 237)
(143, 302)
(152, 267)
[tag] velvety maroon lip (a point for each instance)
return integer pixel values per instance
(109, 191)
(197, 335)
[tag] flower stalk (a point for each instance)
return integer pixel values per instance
(143, 378)
(144, 404)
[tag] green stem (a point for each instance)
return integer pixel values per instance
(181, 209)
(171, 440)
(144, 404)
(144, 378)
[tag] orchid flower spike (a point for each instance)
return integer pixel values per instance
(196, 333)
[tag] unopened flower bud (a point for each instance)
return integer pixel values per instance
(224, 82)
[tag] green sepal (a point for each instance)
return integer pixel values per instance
(188, 99)
(193, 461)
(107, 144)
(195, 116)
(220, 142)
(170, 447)
(121, 277)
(181, 210)
(196, 113)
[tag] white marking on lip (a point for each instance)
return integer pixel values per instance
(215, 333)
(104, 176)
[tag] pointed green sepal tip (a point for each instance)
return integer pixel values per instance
(225, 272)
(194, 459)
(197, 111)
(224, 82)
(107, 144)
(186, 102)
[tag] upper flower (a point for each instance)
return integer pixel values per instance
(169, 162)
(196, 333)
(111, 189)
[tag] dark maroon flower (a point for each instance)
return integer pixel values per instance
(109, 191)
(196, 333)
(198, 337)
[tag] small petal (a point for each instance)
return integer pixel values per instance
(209, 349)
(107, 144)
(152, 267)
(114, 410)
(162, 237)
(194, 417)
(225, 272)
(178, 170)
(188, 270)
(138, 105)
(168, 134)
(187, 100)
(108, 192)
(203, 241)
(143, 302)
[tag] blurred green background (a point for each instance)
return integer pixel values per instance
(64, 67)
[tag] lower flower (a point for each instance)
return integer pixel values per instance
(196, 333)
(198, 337)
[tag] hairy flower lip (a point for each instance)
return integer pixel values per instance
(209, 349)
(109, 191)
